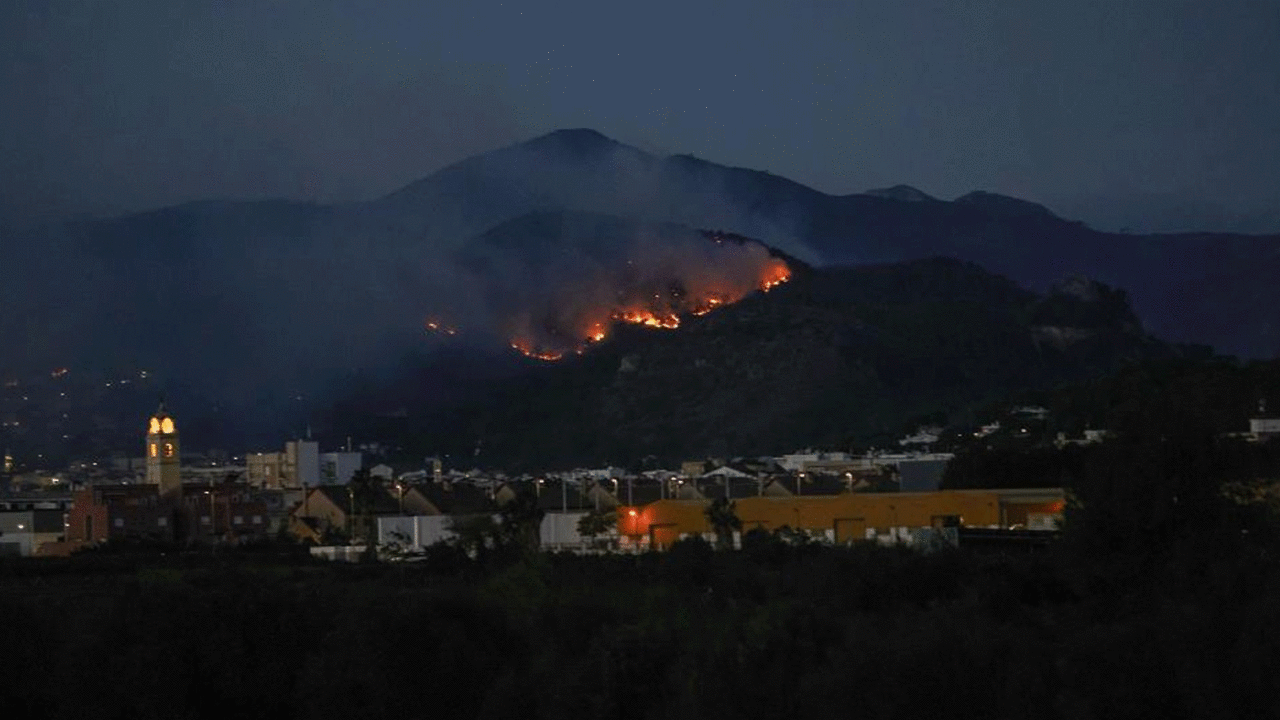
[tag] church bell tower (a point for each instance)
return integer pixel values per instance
(163, 465)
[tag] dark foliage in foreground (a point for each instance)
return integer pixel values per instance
(776, 630)
(1159, 601)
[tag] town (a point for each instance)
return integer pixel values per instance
(346, 504)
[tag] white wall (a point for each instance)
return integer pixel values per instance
(304, 455)
(336, 468)
(415, 532)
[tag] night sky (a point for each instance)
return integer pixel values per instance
(1166, 110)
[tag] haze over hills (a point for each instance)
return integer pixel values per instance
(258, 302)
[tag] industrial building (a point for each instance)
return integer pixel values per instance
(849, 517)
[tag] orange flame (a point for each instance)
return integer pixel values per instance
(535, 353)
(667, 321)
(775, 276)
(571, 323)
(439, 327)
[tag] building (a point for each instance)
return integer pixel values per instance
(1264, 427)
(337, 468)
(298, 466)
(116, 512)
(328, 512)
(164, 510)
(850, 517)
(22, 532)
(164, 465)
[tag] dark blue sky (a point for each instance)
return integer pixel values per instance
(1123, 106)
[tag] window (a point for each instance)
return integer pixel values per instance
(153, 450)
(168, 449)
(257, 519)
(237, 520)
(162, 522)
(118, 522)
(204, 519)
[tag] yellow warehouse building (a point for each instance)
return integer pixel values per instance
(849, 517)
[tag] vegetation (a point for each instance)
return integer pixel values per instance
(780, 629)
(723, 518)
(836, 358)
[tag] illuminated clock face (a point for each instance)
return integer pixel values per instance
(154, 427)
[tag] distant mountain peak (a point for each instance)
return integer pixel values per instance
(1005, 204)
(575, 139)
(905, 193)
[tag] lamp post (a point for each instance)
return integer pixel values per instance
(848, 479)
(213, 517)
(351, 515)
(400, 495)
(799, 479)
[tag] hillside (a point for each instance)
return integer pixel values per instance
(836, 357)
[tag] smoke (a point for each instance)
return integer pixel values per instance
(555, 283)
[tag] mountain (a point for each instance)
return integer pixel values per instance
(263, 303)
(836, 357)
(581, 170)
(905, 193)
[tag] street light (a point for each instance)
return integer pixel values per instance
(351, 515)
(799, 479)
(213, 517)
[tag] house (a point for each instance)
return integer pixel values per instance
(446, 498)
(116, 512)
(22, 532)
(330, 510)
(1264, 427)
(213, 512)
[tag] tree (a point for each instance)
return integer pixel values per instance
(723, 517)
(521, 522)
(474, 535)
(597, 522)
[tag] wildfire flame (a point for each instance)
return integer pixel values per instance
(668, 321)
(534, 353)
(777, 275)
(657, 286)
(439, 327)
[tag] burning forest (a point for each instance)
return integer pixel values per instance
(658, 279)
